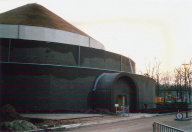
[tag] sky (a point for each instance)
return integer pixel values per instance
(139, 29)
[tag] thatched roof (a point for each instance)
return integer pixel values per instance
(37, 15)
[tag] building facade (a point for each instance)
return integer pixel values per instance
(53, 66)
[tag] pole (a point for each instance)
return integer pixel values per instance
(186, 94)
(185, 81)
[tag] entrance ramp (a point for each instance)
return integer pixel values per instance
(60, 116)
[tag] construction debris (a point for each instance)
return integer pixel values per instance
(17, 125)
(8, 113)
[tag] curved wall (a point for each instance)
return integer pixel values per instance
(47, 34)
(125, 86)
(40, 52)
(31, 87)
(110, 86)
(53, 76)
(36, 88)
(139, 91)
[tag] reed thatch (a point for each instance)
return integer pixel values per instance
(37, 15)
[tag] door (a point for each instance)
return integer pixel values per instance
(121, 101)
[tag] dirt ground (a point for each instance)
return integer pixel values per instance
(40, 122)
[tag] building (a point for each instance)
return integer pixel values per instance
(48, 65)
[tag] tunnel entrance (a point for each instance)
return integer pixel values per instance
(112, 89)
(120, 101)
(125, 93)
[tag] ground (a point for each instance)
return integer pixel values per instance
(134, 122)
(97, 122)
(137, 125)
(59, 122)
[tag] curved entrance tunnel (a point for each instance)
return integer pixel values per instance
(125, 93)
(115, 88)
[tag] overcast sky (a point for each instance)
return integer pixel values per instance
(139, 29)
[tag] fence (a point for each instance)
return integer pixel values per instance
(158, 127)
(125, 109)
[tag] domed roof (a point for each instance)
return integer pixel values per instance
(37, 15)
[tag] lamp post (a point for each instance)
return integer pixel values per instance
(186, 91)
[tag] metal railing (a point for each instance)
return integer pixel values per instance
(158, 127)
(125, 110)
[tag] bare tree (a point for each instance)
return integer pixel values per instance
(189, 74)
(189, 78)
(183, 77)
(180, 78)
(153, 71)
(178, 74)
(166, 80)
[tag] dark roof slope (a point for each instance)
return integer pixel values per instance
(37, 15)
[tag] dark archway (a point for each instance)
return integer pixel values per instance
(111, 86)
(125, 88)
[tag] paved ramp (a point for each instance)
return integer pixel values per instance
(59, 116)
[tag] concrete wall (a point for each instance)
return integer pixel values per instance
(46, 88)
(8, 31)
(49, 76)
(36, 88)
(139, 91)
(96, 44)
(4, 50)
(47, 34)
(146, 93)
(128, 64)
(41, 52)
(100, 59)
